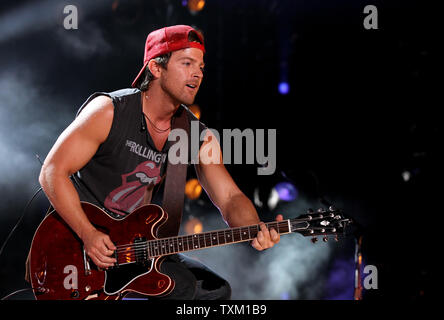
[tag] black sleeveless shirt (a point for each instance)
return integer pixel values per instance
(127, 166)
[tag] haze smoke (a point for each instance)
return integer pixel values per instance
(289, 270)
(28, 126)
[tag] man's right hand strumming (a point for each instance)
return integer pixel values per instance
(99, 247)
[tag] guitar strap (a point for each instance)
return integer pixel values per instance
(176, 174)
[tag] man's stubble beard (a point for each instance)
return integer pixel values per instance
(174, 98)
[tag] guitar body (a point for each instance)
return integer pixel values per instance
(60, 269)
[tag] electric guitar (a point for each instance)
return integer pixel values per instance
(60, 268)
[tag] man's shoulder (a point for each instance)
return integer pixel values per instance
(122, 93)
(109, 97)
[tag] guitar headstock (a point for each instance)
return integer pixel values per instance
(323, 222)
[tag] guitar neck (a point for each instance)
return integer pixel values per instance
(178, 244)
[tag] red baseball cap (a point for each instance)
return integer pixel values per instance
(166, 40)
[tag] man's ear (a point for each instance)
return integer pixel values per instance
(154, 68)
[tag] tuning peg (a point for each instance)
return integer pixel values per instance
(325, 238)
(332, 208)
(314, 239)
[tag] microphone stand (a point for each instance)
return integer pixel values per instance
(357, 295)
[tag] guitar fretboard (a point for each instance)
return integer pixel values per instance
(308, 225)
(198, 241)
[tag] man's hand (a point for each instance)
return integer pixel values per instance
(99, 247)
(266, 238)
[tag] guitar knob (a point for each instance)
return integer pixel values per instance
(325, 239)
(75, 294)
(41, 290)
(314, 239)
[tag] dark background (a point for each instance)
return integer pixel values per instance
(361, 111)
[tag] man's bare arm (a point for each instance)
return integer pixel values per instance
(72, 151)
(236, 209)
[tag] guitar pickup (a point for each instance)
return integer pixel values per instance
(141, 255)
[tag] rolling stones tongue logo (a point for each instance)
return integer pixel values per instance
(130, 194)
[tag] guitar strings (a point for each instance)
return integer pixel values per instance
(135, 254)
(159, 246)
(144, 245)
(278, 224)
(201, 236)
(151, 244)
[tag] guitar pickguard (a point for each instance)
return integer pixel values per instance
(117, 278)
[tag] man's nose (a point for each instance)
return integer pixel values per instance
(197, 73)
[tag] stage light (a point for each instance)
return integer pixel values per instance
(193, 225)
(127, 12)
(193, 189)
(194, 108)
(273, 199)
(406, 176)
(256, 198)
(114, 5)
(284, 88)
(196, 5)
(270, 196)
(286, 191)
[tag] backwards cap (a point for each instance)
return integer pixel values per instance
(166, 40)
